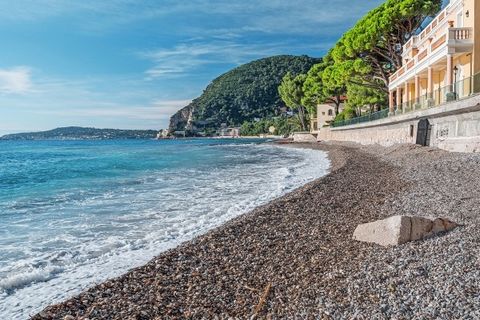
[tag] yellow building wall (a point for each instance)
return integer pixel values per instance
(463, 62)
(423, 87)
(322, 114)
(474, 9)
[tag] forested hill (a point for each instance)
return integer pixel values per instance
(81, 133)
(242, 94)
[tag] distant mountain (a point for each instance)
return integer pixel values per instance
(247, 92)
(81, 133)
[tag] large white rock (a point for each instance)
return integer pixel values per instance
(400, 229)
(304, 137)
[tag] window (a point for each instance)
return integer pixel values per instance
(330, 112)
(323, 113)
(460, 19)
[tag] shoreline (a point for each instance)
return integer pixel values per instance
(294, 256)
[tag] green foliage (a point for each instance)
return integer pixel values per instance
(291, 92)
(322, 86)
(81, 133)
(369, 50)
(362, 96)
(247, 92)
(347, 113)
(367, 55)
(283, 126)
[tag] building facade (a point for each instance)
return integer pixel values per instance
(325, 115)
(229, 132)
(441, 63)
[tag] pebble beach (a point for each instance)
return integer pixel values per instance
(294, 258)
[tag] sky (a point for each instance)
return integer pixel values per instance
(131, 64)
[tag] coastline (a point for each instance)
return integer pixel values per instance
(294, 256)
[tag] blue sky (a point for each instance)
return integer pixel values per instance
(132, 63)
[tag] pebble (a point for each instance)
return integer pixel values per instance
(294, 257)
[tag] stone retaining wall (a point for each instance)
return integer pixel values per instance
(304, 137)
(454, 127)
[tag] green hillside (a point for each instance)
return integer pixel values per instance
(247, 92)
(81, 133)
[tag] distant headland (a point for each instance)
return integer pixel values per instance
(82, 133)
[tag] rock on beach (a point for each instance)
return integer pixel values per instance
(401, 229)
(294, 258)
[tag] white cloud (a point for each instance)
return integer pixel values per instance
(15, 80)
(186, 57)
(175, 104)
(159, 111)
(318, 17)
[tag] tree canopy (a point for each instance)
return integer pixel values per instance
(362, 61)
(320, 86)
(291, 92)
(370, 52)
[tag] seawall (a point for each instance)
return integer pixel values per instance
(454, 126)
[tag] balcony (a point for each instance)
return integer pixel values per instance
(436, 41)
(460, 90)
(430, 50)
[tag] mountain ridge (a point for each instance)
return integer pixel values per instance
(82, 133)
(245, 93)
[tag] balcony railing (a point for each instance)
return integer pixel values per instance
(439, 21)
(366, 118)
(458, 91)
(458, 35)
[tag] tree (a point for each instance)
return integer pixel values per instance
(368, 54)
(291, 92)
(364, 96)
(319, 87)
(283, 126)
(370, 49)
(244, 93)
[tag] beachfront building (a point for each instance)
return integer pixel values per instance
(325, 115)
(442, 62)
(229, 132)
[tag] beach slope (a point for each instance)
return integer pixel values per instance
(295, 256)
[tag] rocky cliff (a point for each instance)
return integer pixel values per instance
(247, 92)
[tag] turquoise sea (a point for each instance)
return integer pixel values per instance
(74, 213)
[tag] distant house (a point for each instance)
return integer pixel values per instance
(180, 133)
(229, 132)
(325, 115)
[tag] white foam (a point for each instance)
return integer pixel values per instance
(22, 279)
(133, 225)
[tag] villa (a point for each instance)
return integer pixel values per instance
(325, 114)
(434, 97)
(442, 62)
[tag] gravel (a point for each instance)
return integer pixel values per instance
(294, 257)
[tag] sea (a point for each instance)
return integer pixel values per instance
(75, 213)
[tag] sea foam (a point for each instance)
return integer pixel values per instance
(70, 231)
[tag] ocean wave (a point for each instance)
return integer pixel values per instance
(105, 226)
(20, 280)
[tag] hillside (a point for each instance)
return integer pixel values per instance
(247, 92)
(80, 133)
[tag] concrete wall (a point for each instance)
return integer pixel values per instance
(304, 137)
(454, 127)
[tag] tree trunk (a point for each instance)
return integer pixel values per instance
(337, 101)
(301, 117)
